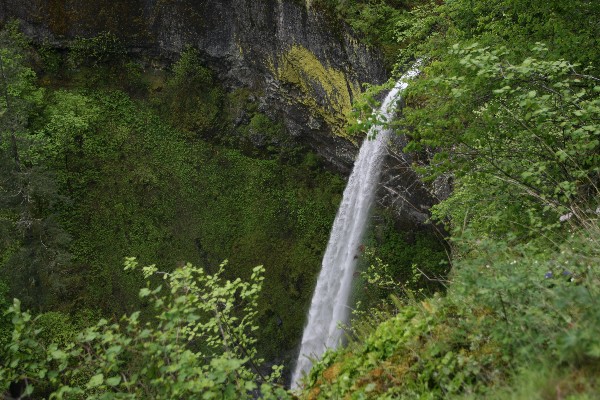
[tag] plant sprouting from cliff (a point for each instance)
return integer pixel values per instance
(103, 49)
(192, 97)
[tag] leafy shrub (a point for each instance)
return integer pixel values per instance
(508, 307)
(516, 126)
(105, 48)
(55, 327)
(5, 332)
(199, 345)
(374, 21)
(524, 133)
(192, 99)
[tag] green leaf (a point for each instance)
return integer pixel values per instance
(114, 380)
(96, 381)
(594, 350)
(58, 354)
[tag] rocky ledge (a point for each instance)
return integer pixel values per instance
(304, 67)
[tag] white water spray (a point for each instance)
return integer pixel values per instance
(329, 303)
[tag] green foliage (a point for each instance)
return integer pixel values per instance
(548, 295)
(19, 96)
(191, 98)
(525, 129)
(263, 136)
(365, 107)
(261, 124)
(5, 332)
(33, 244)
(266, 211)
(199, 344)
(507, 116)
(141, 189)
(91, 62)
(547, 381)
(514, 123)
(375, 21)
(431, 27)
(107, 176)
(418, 352)
(518, 24)
(50, 58)
(105, 48)
(509, 306)
(398, 263)
(55, 327)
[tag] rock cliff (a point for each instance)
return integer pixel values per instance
(304, 67)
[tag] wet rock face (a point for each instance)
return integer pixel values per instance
(401, 189)
(304, 68)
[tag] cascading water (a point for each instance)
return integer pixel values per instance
(329, 303)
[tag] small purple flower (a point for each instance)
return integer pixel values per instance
(549, 275)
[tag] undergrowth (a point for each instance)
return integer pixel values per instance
(509, 310)
(153, 165)
(507, 112)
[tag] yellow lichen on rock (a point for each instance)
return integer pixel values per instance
(327, 91)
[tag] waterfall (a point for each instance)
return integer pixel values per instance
(329, 305)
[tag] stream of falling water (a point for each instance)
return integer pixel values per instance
(329, 305)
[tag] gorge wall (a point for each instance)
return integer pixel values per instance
(304, 68)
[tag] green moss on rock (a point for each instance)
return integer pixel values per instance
(326, 91)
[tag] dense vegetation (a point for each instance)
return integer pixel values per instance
(508, 108)
(375, 21)
(97, 166)
(101, 161)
